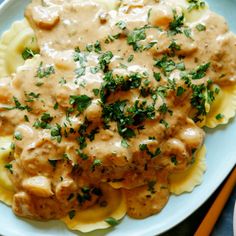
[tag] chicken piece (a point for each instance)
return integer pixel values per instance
(45, 17)
(65, 189)
(38, 185)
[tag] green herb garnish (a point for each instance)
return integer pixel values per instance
(111, 221)
(219, 116)
(121, 24)
(134, 37)
(28, 53)
(9, 167)
(177, 23)
(72, 214)
(81, 102)
(45, 72)
(201, 27)
(151, 186)
(18, 136)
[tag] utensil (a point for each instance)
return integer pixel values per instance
(234, 220)
(213, 214)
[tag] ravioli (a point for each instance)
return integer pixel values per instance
(187, 180)
(13, 43)
(6, 187)
(223, 108)
(113, 206)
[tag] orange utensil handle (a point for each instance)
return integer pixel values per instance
(213, 214)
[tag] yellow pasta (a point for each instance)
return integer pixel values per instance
(6, 188)
(5, 158)
(6, 196)
(223, 107)
(186, 181)
(202, 122)
(13, 42)
(193, 15)
(94, 217)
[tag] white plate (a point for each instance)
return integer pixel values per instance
(221, 158)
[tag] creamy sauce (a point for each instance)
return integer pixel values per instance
(110, 99)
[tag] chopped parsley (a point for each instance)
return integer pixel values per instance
(72, 214)
(174, 47)
(180, 91)
(80, 71)
(45, 72)
(144, 147)
(18, 136)
(56, 133)
(110, 38)
(157, 76)
(174, 160)
(128, 116)
(28, 53)
(196, 4)
(94, 70)
(166, 64)
(115, 83)
(9, 167)
(53, 163)
(89, 47)
(81, 102)
(80, 57)
(96, 163)
(163, 108)
(46, 117)
(96, 191)
(200, 27)
(134, 37)
(43, 122)
(111, 221)
(164, 122)
(19, 106)
(92, 134)
(84, 195)
(200, 72)
(97, 47)
(104, 60)
(180, 66)
(219, 116)
(198, 100)
(149, 45)
(187, 32)
(130, 58)
(96, 92)
(151, 186)
(124, 143)
(32, 96)
(149, 13)
(26, 118)
(56, 106)
(176, 25)
(82, 155)
(121, 24)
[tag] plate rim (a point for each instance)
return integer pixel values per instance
(151, 230)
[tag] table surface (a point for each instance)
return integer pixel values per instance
(224, 225)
